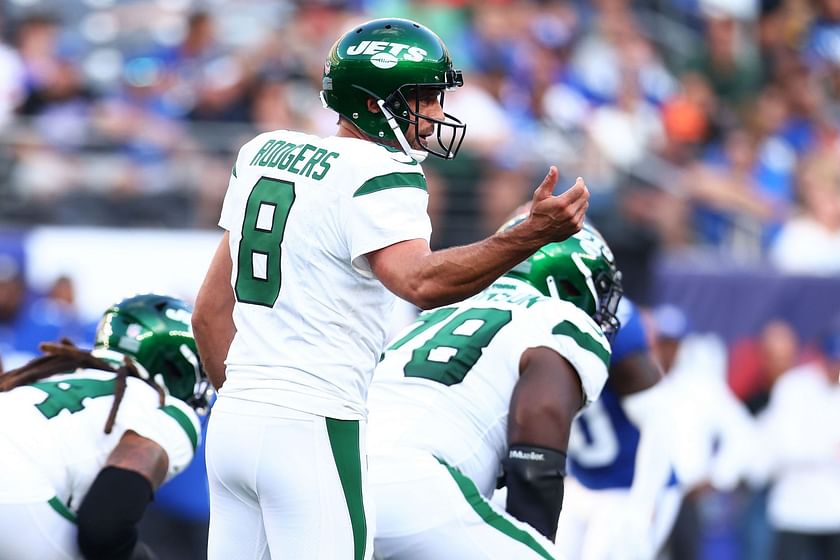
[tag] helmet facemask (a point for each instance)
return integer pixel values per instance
(580, 270)
(402, 114)
(609, 292)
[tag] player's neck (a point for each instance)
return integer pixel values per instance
(346, 129)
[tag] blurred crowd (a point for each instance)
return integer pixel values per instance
(756, 442)
(708, 126)
(696, 123)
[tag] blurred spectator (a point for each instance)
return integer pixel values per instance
(624, 133)
(823, 41)
(809, 243)
(12, 78)
(26, 320)
(810, 124)
(738, 207)
(730, 63)
(713, 433)
(754, 368)
(802, 433)
(12, 296)
(613, 48)
(56, 94)
(755, 365)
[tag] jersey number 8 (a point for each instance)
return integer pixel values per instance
(258, 261)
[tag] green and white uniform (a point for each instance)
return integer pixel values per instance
(53, 445)
(310, 317)
(311, 321)
(438, 420)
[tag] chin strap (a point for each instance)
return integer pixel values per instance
(416, 155)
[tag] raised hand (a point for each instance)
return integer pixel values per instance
(555, 218)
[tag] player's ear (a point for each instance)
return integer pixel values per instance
(372, 106)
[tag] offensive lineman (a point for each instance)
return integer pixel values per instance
(494, 380)
(87, 437)
(293, 312)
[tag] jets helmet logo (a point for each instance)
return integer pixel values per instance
(386, 55)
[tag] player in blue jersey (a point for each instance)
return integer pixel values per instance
(624, 498)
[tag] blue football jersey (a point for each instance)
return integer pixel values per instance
(630, 338)
(603, 442)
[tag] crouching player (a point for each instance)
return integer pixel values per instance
(87, 437)
(492, 382)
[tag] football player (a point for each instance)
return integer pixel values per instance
(87, 437)
(623, 498)
(293, 312)
(490, 382)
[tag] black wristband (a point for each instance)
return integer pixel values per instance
(534, 477)
(107, 519)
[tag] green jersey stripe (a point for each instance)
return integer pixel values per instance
(184, 421)
(61, 509)
(583, 339)
(392, 181)
(491, 516)
(344, 441)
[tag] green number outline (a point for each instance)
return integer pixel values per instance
(248, 288)
(427, 321)
(468, 348)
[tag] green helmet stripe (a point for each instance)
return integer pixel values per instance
(392, 181)
(583, 339)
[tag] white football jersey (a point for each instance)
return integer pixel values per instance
(444, 385)
(52, 437)
(311, 319)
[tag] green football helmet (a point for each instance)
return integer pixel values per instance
(391, 61)
(580, 270)
(156, 331)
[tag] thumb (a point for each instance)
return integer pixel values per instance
(546, 188)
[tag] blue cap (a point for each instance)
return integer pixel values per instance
(670, 321)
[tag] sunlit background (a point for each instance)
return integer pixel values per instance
(706, 130)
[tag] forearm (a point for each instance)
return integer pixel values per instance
(454, 274)
(213, 341)
(543, 404)
(109, 514)
(212, 318)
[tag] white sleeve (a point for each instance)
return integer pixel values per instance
(174, 426)
(574, 335)
(233, 202)
(236, 196)
(386, 210)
